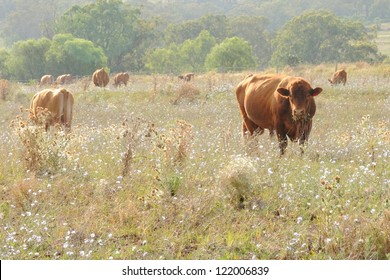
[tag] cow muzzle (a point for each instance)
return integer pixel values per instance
(299, 114)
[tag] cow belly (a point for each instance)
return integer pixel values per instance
(260, 113)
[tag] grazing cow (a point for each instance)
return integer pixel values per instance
(46, 80)
(100, 78)
(277, 102)
(59, 102)
(64, 79)
(338, 77)
(187, 77)
(121, 78)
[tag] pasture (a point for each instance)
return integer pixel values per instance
(158, 170)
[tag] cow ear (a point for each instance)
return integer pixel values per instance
(316, 91)
(284, 92)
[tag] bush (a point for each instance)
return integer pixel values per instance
(44, 151)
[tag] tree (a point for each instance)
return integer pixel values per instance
(253, 30)
(165, 60)
(233, 54)
(380, 9)
(109, 24)
(28, 19)
(188, 56)
(217, 25)
(27, 59)
(316, 37)
(194, 52)
(4, 55)
(76, 56)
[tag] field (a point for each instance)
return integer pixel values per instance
(158, 170)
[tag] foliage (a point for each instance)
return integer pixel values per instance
(176, 36)
(233, 54)
(111, 25)
(253, 30)
(23, 20)
(194, 52)
(164, 60)
(4, 55)
(27, 59)
(216, 25)
(188, 56)
(320, 36)
(73, 55)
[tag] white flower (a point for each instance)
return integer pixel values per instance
(299, 220)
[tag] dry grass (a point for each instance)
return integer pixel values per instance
(142, 178)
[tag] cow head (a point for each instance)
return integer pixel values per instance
(300, 94)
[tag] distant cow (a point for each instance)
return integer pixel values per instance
(187, 77)
(5, 88)
(277, 102)
(46, 80)
(59, 102)
(121, 78)
(64, 79)
(338, 77)
(100, 78)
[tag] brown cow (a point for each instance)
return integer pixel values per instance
(187, 77)
(59, 102)
(64, 79)
(121, 78)
(338, 77)
(46, 80)
(277, 102)
(100, 78)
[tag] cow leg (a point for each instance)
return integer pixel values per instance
(304, 136)
(282, 137)
(302, 144)
(283, 145)
(249, 127)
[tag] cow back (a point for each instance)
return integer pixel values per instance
(100, 78)
(339, 77)
(59, 102)
(121, 78)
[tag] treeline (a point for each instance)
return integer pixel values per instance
(129, 37)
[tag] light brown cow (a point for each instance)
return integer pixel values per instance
(64, 79)
(59, 102)
(46, 80)
(187, 77)
(5, 88)
(121, 78)
(100, 78)
(338, 77)
(278, 103)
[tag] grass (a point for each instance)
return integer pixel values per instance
(144, 177)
